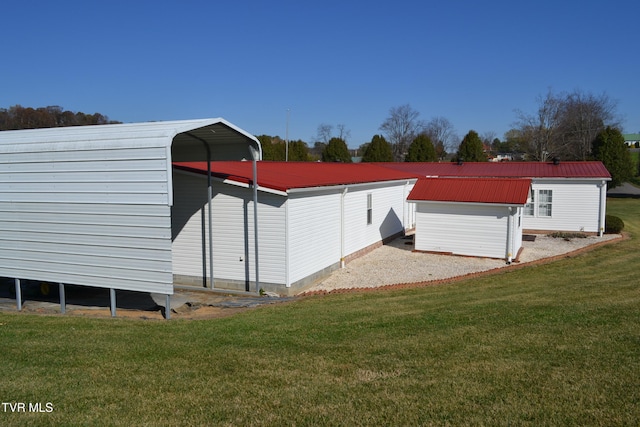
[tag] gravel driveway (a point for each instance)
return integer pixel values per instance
(396, 263)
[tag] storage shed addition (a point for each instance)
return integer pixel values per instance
(473, 217)
(311, 218)
(565, 196)
(92, 205)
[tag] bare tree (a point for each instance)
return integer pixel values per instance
(441, 132)
(539, 130)
(566, 125)
(400, 128)
(583, 117)
(488, 137)
(324, 133)
(343, 133)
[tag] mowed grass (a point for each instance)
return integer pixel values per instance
(556, 344)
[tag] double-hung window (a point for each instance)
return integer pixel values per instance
(545, 197)
(540, 204)
(369, 208)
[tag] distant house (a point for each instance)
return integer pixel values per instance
(631, 139)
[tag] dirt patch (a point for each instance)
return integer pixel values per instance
(92, 302)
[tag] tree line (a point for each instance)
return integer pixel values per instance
(18, 117)
(568, 126)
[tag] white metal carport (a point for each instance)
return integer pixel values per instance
(91, 205)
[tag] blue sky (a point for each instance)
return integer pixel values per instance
(333, 62)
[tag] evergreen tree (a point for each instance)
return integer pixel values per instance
(471, 148)
(609, 147)
(421, 150)
(336, 151)
(378, 150)
(298, 151)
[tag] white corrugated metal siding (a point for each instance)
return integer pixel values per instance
(91, 205)
(461, 229)
(96, 217)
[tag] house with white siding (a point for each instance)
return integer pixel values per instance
(312, 217)
(565, 196)
(143, 206)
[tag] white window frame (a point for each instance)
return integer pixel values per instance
(540, 205)
(369, 208)
(545, 203)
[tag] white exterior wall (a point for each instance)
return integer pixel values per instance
(314, 232)
(233, 236)
(389, 212)
(299, 235)
(576, 206)
(462, 229)
(409, 208)
(87, 215)
(190, 199)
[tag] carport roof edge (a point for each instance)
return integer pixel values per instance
(98, 134)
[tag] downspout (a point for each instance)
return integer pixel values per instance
(342, 233)
(405, 214)
(602, 210)
(255, 220)
(287, 257)
(509, 238)
(210, 215)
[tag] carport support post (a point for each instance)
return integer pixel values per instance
(112, 295)
(255, 221)
(18, 294)
(63, 301)
(210, 215)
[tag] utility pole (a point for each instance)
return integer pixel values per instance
(286, 140)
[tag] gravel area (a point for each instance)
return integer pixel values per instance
(396, 263)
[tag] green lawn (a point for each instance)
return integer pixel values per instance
(557, 344)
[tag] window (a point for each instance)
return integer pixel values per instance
(528, 208)
(545, 198)
(541, 207)
(369, 209)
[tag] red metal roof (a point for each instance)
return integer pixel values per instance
(594, 170)
(506, 191)
(284, 176)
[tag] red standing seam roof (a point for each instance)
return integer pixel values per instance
(593, 170)
(283, 176)
(506, 191)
